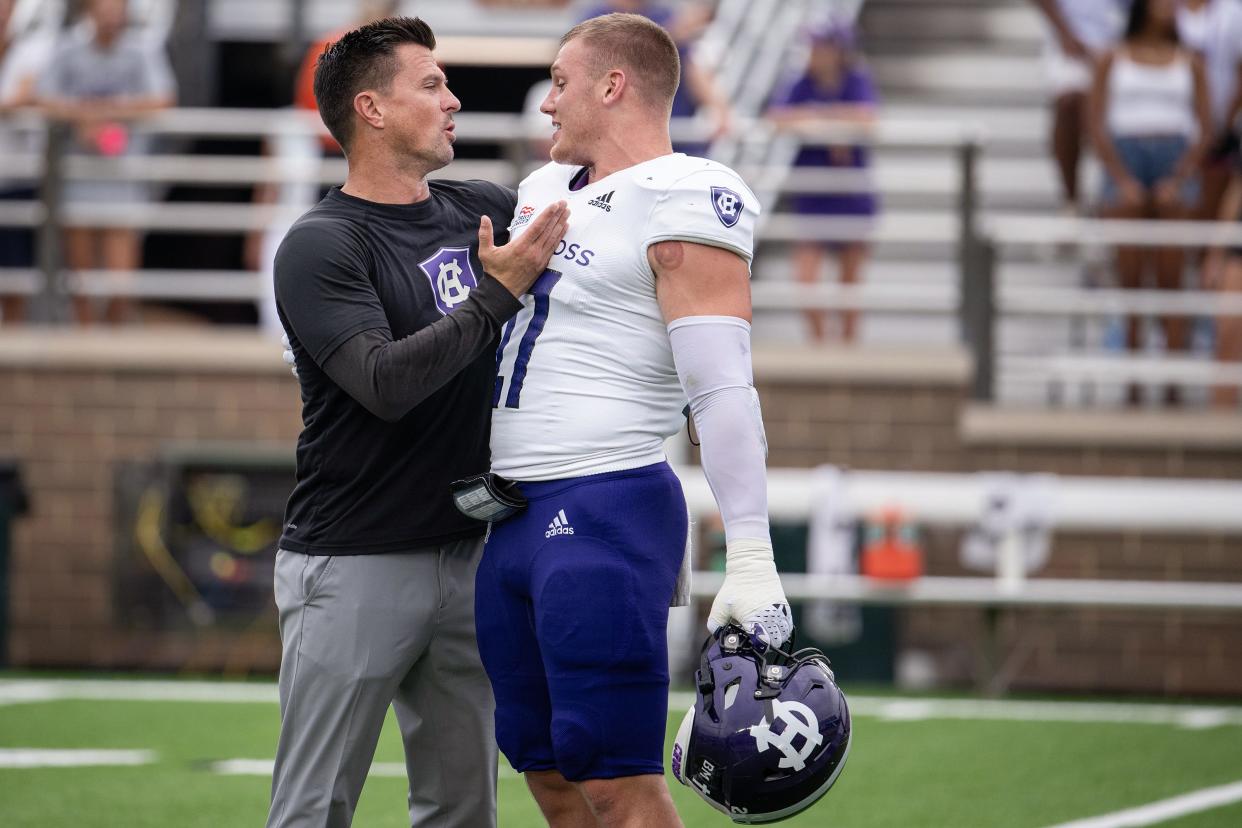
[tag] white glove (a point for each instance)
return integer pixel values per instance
(751, 595)
(287, 354)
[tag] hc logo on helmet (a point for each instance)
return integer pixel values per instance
(760, 773)
(728, 205)
(799, 720)
(451, 276)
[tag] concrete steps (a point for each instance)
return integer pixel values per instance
(268, 20)
(960, 51)
(978, 26)
(968, 62)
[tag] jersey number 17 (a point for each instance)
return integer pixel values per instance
(542, 293)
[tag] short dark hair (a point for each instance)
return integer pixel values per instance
(634, 43)
(364, 58)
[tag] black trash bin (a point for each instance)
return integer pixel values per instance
(12, 503)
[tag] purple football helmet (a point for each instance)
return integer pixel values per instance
(768, 733)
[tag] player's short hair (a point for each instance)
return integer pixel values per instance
(637, 45)
(364, 58)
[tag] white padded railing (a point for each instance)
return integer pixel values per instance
(1078, 504)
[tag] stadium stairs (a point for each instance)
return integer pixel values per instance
(970, 62)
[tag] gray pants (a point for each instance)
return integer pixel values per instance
(361, 632)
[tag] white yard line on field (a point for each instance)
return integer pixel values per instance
(1195, 717)
(41, 758)
(1164, 810)
(896, 709)
(1191, 717)
(263, 767)
(18, 691)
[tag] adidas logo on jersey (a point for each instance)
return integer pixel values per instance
(559, 525)
(604, 202)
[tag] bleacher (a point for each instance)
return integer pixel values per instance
(960, 153)
(1054, 540)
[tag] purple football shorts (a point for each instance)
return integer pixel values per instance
(571, 606)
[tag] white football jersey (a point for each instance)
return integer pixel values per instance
(585, 376)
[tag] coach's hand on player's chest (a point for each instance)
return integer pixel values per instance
(518, 264)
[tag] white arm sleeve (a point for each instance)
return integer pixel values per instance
(712, 354)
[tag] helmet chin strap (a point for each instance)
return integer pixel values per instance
(776, 665)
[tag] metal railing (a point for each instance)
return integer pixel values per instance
(1083, 505)
(988, 304)
(511, 134)
(977, 299)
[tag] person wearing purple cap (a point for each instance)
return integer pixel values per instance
(835, 87)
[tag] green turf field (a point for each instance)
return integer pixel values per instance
(915, 762)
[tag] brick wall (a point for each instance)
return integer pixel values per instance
(1092, 650)
(860, 415)
(73, 406)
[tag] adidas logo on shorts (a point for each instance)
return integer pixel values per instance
(559, 526)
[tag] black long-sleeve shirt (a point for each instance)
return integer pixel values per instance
(394, 327)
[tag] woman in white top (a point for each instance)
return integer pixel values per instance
(1213, 28)
(1150, 123)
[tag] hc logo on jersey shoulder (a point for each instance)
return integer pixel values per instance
(451, 276)
(728, 205)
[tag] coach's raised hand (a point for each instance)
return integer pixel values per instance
(518, 264)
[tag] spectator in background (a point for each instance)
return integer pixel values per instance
(836, 86)
(102, 77)
(295, 151)
(22, 60)
(660, 13)
(1223, 272)
(304, 90)
(1213, 28)
(525, 4)
(1151, 122)
(1079, 33)
(539, 131)
(698, 92)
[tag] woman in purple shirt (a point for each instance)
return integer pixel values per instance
(836, 87)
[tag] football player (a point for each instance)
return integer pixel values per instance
(646, 303)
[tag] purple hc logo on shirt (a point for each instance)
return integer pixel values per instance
(728, 205)
(451, 276)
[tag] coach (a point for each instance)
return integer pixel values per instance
(393, 296)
